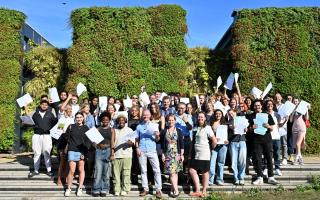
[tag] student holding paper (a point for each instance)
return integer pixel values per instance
(103, 158)
(172, 153)
(218, 154)
(261, 143)
(238, 128)
(199, 156)
(299, 131)
(122, 153)
(41, 140)
(77, 147)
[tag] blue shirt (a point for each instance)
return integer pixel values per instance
(167, 112)
(90, 121)
(147, 139)
(181, 125)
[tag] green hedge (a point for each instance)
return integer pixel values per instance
(280, 45)
(10, 56)
(117, 50)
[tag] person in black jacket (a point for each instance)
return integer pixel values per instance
(172, 145)
(41, 140)
(77, 146)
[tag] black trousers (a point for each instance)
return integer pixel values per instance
(264, 149)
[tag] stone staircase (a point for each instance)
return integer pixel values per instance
(15, 184)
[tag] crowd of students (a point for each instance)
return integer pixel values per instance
(184, 141)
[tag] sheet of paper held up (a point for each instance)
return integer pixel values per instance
(80, 89)
(256, 93)
(229, 83)
(144, 99)
(222, 133)
(286, 109)
(184, 100)
(198, 101)
(267, 90)
(24, 100)
(54, 96)
(27, 120)
(236, 77)
(56, 132)
(103, 103)
(94, 135)
(219, 82)
(261, 118)
(240, 123)
(303, 107)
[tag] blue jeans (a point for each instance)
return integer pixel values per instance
(218, 157)
(102, 171)
(238, 157)
(276, 153)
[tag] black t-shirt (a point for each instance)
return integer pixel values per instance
(77, 139)
(106, 134)
(257, 138)
(133, 123)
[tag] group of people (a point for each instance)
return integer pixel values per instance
(166, 136)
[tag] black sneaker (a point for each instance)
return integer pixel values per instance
(50, 174)
(95, 194)
(32, 174)
(103, 194)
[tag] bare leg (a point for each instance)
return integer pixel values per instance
(81, 173)
(174, 183)
(72, 168)
(195, 179)
(205, 180)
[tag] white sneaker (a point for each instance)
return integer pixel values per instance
(116, 194)
(123, 193)
(259, 181)
(273, 181)
(67, 192)
(79, 192)
(284, 162)
(301, 161)
(241, 182)
(278, 172)
(265, 172)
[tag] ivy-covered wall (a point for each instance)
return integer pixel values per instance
(117, 50)
(10, 56)
(281, 45)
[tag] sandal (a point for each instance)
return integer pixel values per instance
(195, 194)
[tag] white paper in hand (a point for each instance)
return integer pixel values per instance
(236, 77)
(80, 89)
(198, 101)
(152, 128)
(56, 132)
(162, 95)
(53, 93)
(267, 90)
(256, 93)
(103, 103)
(131, 136)
(24, 100)
(229, 83)
(222, 133)
(286, 109)
(94, 135)
(240, 123)
(144, 98)
(27, 120)
(219, 82)
(303, 107)
(127, 103)
(218, 105)
(117, 107)
(185, 100)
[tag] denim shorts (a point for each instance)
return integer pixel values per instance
(74, 156)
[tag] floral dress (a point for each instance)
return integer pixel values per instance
(172, 163)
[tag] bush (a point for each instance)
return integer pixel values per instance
(117, 50)
(10, 56)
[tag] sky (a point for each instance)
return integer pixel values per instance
(207, 20)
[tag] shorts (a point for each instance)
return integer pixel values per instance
(74, 156)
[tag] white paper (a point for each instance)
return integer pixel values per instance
(80, 89)
(144, 98)
(229, 83)
(185, 100)
(303, 107)
(236, 77)
(56, 131)
(162, 95)
(286, 109)
(256, 93)
(94, 135)
(54, 96)
(219, 82)
(103, 103)
(218, 105)
(127, 103)
(152, 128)
(24, 100)
(198, 101)
(240, 123)
(131, 136)
(267, 90)
(282, 131)
(261, 118)
(117, 107)
(222, 133)
(27, 120)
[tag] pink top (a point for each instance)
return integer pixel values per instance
(299, 126)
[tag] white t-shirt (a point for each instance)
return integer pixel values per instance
(201, 145)
(275, 132)
(75, 109)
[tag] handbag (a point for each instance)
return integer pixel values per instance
(308, 125)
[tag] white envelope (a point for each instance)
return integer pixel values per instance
(53, 93)
(222, 133)
(80, 89)
(267, 90)
(27, 120)
(103, 103)
(185, 100)
(219, 82)
(24, 100)
(303, 107)
(256, 92)
(94, 135)
(229, 83)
